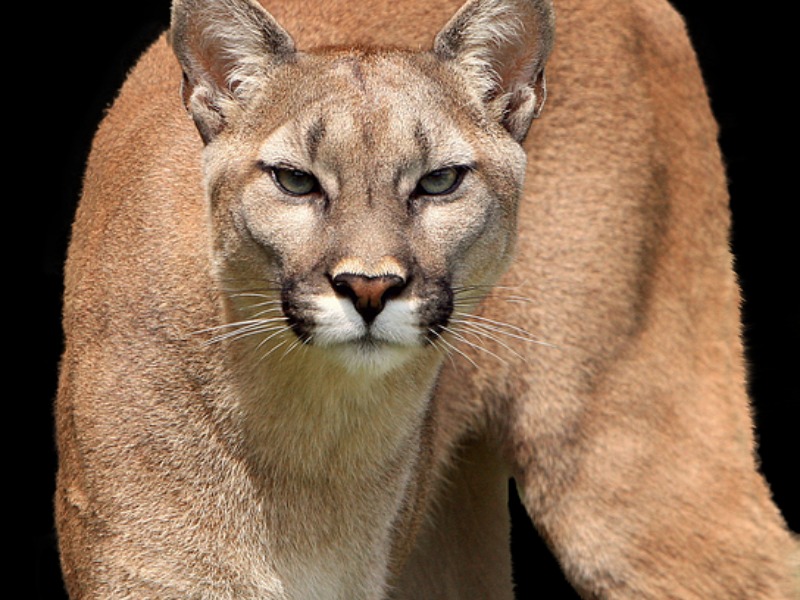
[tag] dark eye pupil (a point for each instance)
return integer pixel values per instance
(442, 181)
(292, 181)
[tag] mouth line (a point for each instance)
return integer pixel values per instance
(306, 332)
(365, 342)
(325, 321)
(368, 340)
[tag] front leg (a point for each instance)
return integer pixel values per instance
(647, 488)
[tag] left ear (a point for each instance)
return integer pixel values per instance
(502, 47)
(226, 49)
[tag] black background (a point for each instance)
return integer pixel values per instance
(66, 69)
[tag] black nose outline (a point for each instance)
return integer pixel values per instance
(368, 294)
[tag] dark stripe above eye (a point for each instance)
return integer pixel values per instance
(314, 137)
(423, 140)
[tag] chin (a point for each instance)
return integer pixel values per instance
(371, 358)
(363, 349)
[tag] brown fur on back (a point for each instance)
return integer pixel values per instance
(628, 431)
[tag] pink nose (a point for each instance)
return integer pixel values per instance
(368, 294)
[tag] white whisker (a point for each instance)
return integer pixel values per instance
(528, 338)
(518, 299)
(451, 347)
(268, 311)
(439, 346)
(247, 322)
(506, 329)
(273, 349)
(239, 335)
(251, 295)
(273, 303)
(464, 340)
(482, 331)
(242, 329)
(291, 347)
(274, 332)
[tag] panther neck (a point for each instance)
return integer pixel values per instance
(345, 447)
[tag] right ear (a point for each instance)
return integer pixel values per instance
(226, 49)
(502, 47)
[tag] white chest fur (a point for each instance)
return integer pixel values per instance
(334, 452)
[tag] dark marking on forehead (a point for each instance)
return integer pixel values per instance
(370, 196)
(358, 79)
(421, 157)
(354, 62)
(358, 74)
(423, 140)
(314, 137)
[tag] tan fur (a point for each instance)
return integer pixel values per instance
(199, 459)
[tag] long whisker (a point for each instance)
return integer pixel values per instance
(237, 324)
(469, 300)
(517, 299)
(267, 311)
(274, 332)
(437, 343)
(242, 329)
(493, 291)
(273, 349)
(251, 294)
(292, 347)
(485, 286)
(273, 285)
(239, 335)
(268, 302)
(468, 296)
(464, 340)
(488, 328)
(451, 347)
(506, 329)
(482, 331)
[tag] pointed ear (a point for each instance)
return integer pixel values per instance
(502, 47)
(226, 49)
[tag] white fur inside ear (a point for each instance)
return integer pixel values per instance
(489, 29)
(502, 46)
(226, 49)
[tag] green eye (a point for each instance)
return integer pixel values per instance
(440, 182)
(295, 182)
